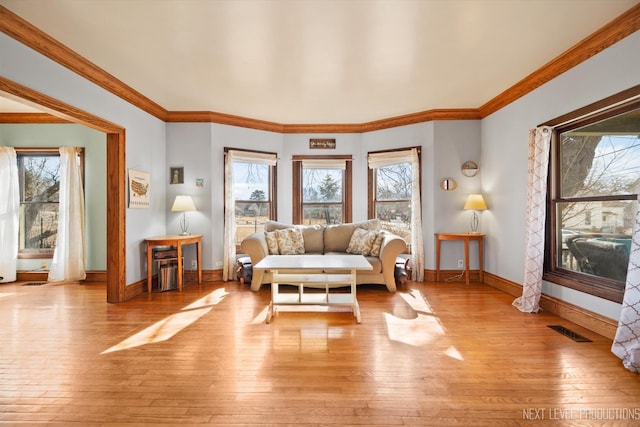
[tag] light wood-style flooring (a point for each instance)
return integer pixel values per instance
(432, 354)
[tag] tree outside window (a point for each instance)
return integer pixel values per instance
(593, 202)
(39, 182)
(321, 189)
(39, 177)
(253, 192)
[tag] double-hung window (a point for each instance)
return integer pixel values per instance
(390, 190)
(254, 189)
(321, 189)
(39, 181)
(594, 179)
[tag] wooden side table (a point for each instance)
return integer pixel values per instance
(466, 237)
(174, 240)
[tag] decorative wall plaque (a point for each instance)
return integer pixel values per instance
(322, 143)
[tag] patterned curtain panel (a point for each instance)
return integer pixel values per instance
(68, 256)
(626, 344)
(9, 214)
(539, 146)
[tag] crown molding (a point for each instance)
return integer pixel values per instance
(621, 27)
(31, 118)
(27, 34)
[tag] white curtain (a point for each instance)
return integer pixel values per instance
(68, 256)
(539, 146)
(9, 214)
(626, 344)
(388, 158)
(417, 243)
(229, 256)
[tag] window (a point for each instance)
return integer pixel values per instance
(390, 191)
(321, 189)
(254, 192)
(39, 180)
(595, 172)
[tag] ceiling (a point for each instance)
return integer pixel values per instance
(318, 61)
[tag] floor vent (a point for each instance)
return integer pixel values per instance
(34, 284)
(569, 333)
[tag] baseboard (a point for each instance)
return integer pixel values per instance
(448, 275)
(132, 290)
(587, 319)
(31, 276)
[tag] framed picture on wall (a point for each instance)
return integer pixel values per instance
(176, 175)
(139, 189)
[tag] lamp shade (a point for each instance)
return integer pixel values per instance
(183, 204)
(475, 202)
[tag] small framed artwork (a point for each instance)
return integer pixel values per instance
(176, 175)
(322, 143)
(199, 182)
(138, 189)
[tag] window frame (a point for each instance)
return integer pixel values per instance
(48, 151)
(273, 181)
(371, 181)
(609, 289)
(297, 176)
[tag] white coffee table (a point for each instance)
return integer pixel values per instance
(319, 271)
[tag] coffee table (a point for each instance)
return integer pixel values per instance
(317, 271)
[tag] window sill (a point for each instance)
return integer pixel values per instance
(602, 288)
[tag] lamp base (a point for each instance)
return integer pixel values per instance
(475, 221)
(184, 224)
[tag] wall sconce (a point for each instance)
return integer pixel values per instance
(475, 203)
(183, 204)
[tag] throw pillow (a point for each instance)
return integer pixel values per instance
(362, 242)
(290, 241)
(377, 243)
(272, 243)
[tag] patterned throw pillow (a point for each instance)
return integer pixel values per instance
(377, 244)
(272, 243)
(288, 241)
(365, 242)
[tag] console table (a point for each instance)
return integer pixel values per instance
(174, 240)
(319, 271)
(466, 237)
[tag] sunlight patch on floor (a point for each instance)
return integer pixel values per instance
(421, 330)
(6, 294)
(171, 325)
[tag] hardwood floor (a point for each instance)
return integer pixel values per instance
(432, 354)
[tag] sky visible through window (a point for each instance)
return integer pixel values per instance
(250, 177)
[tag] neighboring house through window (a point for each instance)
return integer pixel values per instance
(594, 178)
(321, 189)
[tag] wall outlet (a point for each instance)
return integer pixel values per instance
(460, 263)
(43, 265)
(194, 263)
(218, 263)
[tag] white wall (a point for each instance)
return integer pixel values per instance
(95, 180)
(199, 148)
(504, 157)
(145, 136)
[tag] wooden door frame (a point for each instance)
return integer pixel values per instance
(116, 176)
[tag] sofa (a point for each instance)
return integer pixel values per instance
(379, 247)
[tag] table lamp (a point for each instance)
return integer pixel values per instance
(475, 202)
(183, 204)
